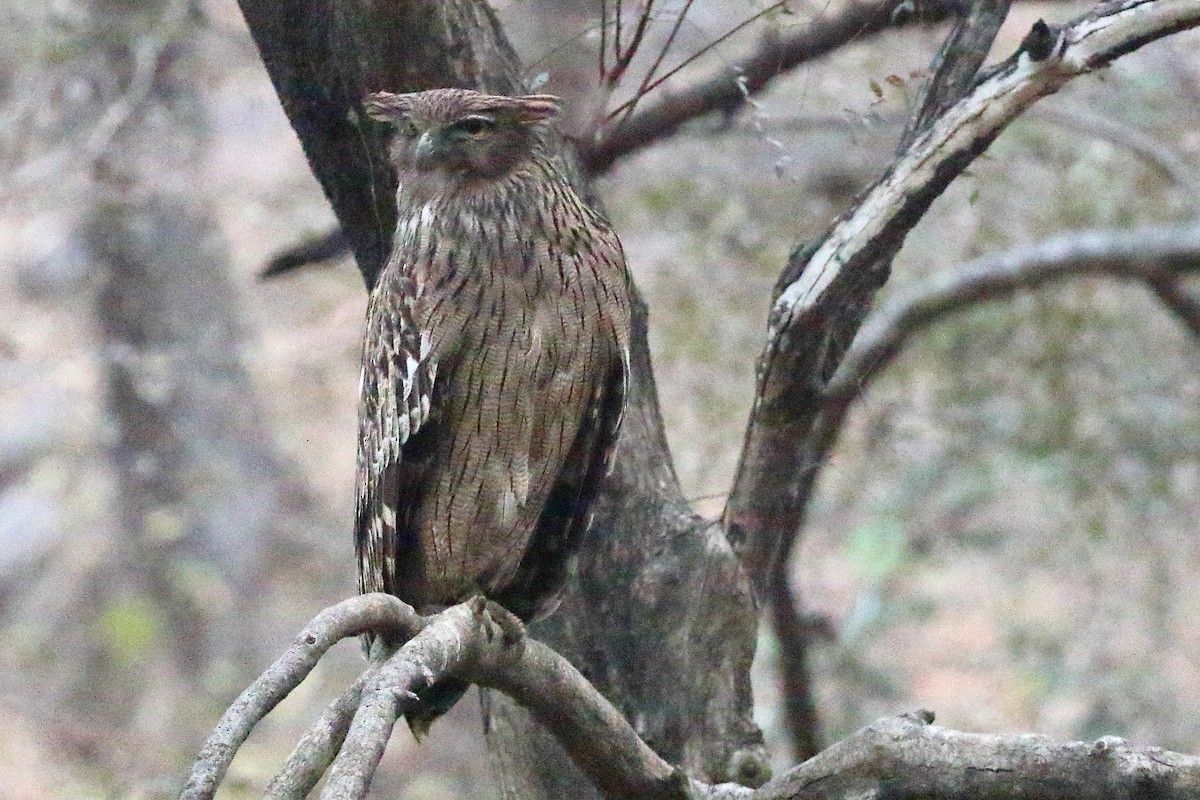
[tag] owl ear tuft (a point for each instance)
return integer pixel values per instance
(537, 107)
(385, 106)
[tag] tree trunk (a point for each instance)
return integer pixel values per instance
(659, 616)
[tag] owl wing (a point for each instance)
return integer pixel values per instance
(397, 393)
(537, 587)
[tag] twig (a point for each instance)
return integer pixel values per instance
(666, 48)
(624, 57)
(631, 102)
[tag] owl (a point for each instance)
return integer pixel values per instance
(495, 361)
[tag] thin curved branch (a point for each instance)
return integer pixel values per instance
(368, 612)
(1161, 254)
(317, 748)
(906, 756)
(825, 290)
(1170, 291)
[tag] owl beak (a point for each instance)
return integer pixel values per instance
(426, 149)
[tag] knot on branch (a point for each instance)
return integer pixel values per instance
(1039, 42)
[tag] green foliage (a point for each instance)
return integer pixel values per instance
(131, 628)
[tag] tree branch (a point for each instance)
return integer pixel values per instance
(775, 55)
(1157, 256)
(956, 64)
(317, 748)
(368, 612)
(825, 289)
(906, 757)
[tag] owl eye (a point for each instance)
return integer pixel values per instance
(476, 126)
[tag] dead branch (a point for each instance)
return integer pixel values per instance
(1162, 254)
(826, 288)
(775, 55)
(906, 754)
(368, 612)
(906, 757)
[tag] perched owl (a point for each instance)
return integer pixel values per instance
(495, 361)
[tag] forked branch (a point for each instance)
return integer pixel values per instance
(828, 286)
(910, 756)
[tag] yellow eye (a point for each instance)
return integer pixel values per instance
(476, 127)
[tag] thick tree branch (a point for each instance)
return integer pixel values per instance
(956, 64)
(951, 73)
(905, 757)
(827, 287)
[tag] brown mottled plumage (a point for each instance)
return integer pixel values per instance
(494, 364)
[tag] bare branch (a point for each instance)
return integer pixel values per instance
(480, 642)
(368, 612)
(650, 86)
(957, 63)
(317, 748)
(775, 55)
(826, 289)
(1169, 289)
(1164, 253)
(913, 758)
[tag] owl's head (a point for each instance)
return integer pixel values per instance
(459, 132)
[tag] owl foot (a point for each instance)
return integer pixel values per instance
(497, 619)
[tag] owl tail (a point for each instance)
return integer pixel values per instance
(432, 702)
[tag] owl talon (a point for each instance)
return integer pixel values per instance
(510, 625)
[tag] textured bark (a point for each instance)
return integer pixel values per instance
(660, 618)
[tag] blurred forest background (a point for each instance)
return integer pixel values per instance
(1006, 533)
